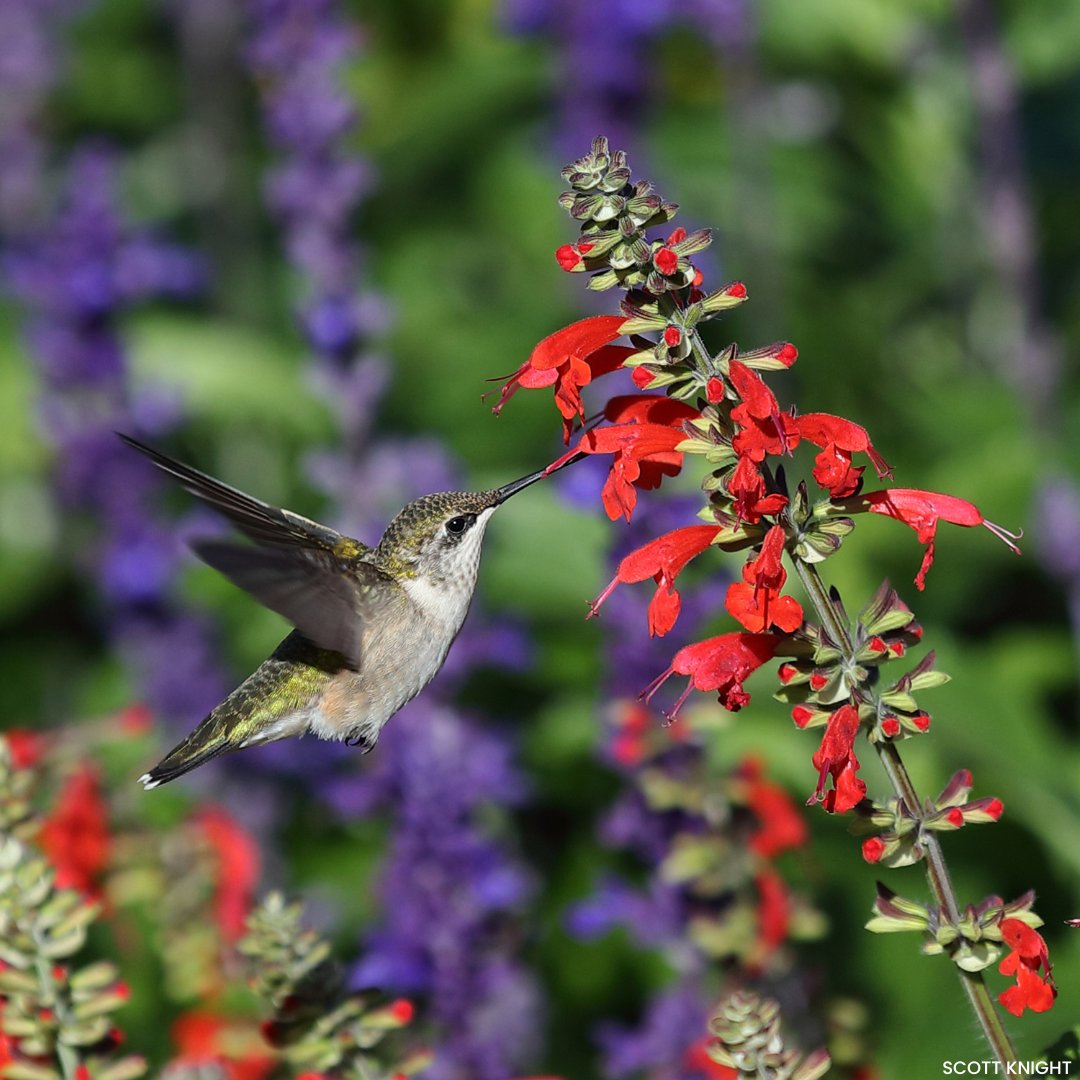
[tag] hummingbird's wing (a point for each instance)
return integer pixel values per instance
(310, 574)
(265, 524)
(327, 598)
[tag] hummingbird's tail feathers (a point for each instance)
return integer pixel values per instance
(180, 760)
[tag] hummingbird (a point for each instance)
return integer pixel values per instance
(372, 625)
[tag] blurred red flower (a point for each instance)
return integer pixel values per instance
(75, 835)
(238, 869)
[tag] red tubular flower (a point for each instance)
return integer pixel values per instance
(921, 511)
(644, 453)
(721, 664)
(746, 486)
(756, 601)
(839, 439)
(569, 359)
(75, 836)
(1028, 954)
(765, 429)
(836, 757)
(238, 870)
(661, 559)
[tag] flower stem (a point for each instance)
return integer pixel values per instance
(937, 871)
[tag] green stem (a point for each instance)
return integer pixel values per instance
(937, 871)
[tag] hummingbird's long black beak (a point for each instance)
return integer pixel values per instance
(500, 495)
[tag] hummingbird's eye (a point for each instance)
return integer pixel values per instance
(457, 525)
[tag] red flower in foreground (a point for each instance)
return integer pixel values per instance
(75, 836)
(746, 486)
(643, 455)
(235, 1045)
(721, 664)
(765, 429)
(1027, 956)
(921, 511)
(237, 870)
(839, 439)
(661, 559)
(756, 601)
(836, 757)
(568, 360)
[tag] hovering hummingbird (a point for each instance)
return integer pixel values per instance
(373, 625)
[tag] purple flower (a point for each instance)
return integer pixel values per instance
(75, 274)
(605, 52)
(451, 893)
(675, 1020)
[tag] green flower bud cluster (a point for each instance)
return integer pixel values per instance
(58, 1019)
(824, 675)
(315, 1025)
(973, 940)
(746, 1037)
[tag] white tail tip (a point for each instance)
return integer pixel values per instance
(147, 783)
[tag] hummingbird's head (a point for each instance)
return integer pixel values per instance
(438, 537)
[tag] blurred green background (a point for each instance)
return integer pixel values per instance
(895, 182)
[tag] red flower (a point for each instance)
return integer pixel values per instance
(202, 1037)
(26, 747)
(632, 725)
(746, 486)
(756, 601)
(720, 663)
(836, 757)
(75, 836)
(765, 429)
(661, 559)
(1027, 956)
(649, 408)
(569, 359)
(922, 510)
(643, 455)
(773, 911)
(782, 825)
(237, 871)
(839, 439)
